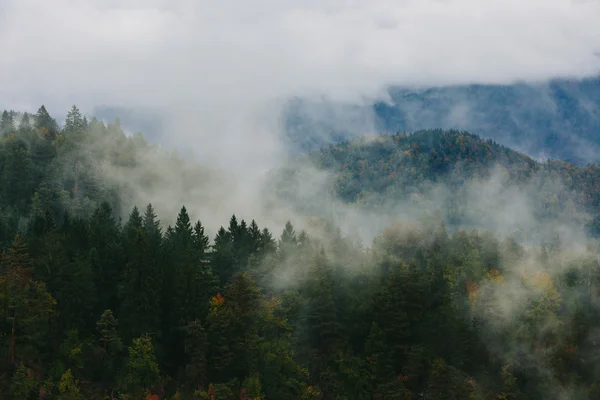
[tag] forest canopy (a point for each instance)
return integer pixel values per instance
(100, 299)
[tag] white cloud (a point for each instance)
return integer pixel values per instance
(168, 52)
(220, 68)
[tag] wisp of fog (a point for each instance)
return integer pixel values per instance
(222, 72)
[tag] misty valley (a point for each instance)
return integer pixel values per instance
(435, 264)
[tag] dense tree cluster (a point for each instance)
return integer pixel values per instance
(374, 172)
(96, 306)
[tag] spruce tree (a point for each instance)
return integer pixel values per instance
(74, 122)
(7, 124)
(18, 181)
(106, 255)
(223, 257)
(140, 285)
(45, 124)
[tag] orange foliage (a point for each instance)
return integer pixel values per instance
(473, 291)
(273, 303)
(494, 276)
(313, 391)
(217, 300)
(211, 390)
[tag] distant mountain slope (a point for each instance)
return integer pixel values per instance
(558, 119)
(468, 178)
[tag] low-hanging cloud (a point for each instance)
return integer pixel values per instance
(208, 55)
(222, 71)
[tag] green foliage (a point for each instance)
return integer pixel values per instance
(141, 371)
(315, 314)
(68, 387)
(110, 343)
(7, 123)
(23, 383)
(432, 166)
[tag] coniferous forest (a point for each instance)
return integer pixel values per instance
(101, 300)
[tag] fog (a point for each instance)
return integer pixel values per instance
(222, 72)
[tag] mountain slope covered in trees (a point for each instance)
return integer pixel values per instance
(460, 174)
(100, 300)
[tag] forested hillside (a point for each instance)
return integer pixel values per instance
(458, 173)
(102, 301)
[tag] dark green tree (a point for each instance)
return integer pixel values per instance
(74, 123)
(140, 284)
(45, 124)
(7, 124)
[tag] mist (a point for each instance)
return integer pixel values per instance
(219, 79)
(221, 75)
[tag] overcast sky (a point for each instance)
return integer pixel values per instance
(207, 61)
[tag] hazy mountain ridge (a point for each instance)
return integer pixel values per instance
(559, 119)
(466, 177)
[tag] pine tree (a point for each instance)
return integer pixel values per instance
(190, 283)
(46, 200)
(106, 255)
(234, 227)
(267, 242)
(255, 238)
(16, 262)
(220, 355)
(74, 122)
(7, 124)
(25, 123)
(242, 244)
(151, 226)
(27, 306)
(288, 236)
(324, 335)
(303, 240)
(18, 184)
(193, 280)
(376, 350)
(183, 230)
(139, 290)
(243, 299)
(45, 124)
(133, 225)
(201, 242)
(107, 330)
(23, 383)
(76, 295)
(196, 348)
(288, 242)
(390, 307)
(110, 343)
(223, 257)
(239, 244)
